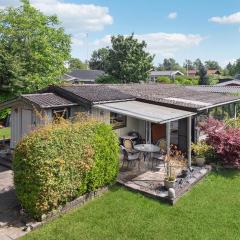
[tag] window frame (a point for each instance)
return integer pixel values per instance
(118, 126)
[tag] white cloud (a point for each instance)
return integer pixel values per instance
(165, 44)
(172, 15)
(75, 17)
(230, 19)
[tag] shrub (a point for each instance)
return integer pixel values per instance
(164, 80)
(107, 79)
(60, 162)
(225, 140)
(186, 80)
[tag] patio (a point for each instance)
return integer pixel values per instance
(150, 182)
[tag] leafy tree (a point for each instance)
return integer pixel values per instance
(212, 65)
(169, 64)
(197, 64)
(128, 60)
(203, 78)
(188, 64)
(76, 63)
(99, 59)
(107, 79)
(33, 49)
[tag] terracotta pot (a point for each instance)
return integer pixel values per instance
(169, 184)
(200, 161)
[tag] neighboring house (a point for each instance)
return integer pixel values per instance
(155, 111)
(82, 76)
(171, 74)
(192, 73)
(212, 72)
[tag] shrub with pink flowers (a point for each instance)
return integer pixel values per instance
(225, 140)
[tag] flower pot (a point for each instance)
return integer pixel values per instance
(169, 184)
(200, 161)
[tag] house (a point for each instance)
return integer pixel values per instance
(82, 76)
(171, 74)
(192, 73)
(153, 110)
(212, 72)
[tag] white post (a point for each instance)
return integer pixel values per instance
(235, 110)
(189, 142)
(168, 136)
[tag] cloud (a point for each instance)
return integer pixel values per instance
(75, 17)
(230, 19)
(165, 44)
(172, 15)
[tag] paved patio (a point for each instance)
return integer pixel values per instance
(150, 182)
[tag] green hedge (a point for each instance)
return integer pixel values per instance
(61, 162)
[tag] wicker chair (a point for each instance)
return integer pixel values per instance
(128, 144)
(160, 157)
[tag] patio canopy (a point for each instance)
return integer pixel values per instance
(145, 111)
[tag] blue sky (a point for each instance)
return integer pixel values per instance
(183, 29)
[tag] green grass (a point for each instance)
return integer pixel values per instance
(210, 211)
(5, 132)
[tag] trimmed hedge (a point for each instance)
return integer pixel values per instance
(60, 162)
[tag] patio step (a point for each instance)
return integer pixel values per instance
(6, 162)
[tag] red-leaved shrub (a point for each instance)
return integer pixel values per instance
(225, 140)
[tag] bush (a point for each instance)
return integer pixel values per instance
(107, 79)
(225, 140)
(186, 80)
(164, 80)
(60, 162)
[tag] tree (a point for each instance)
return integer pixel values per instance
(212, 65)
(169, 64)
(33, 49)
(203, 78)
(76, 63)
(99, 59)
(128, 61)
(197, 64)
(188, 65)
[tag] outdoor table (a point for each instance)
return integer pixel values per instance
(147, 148)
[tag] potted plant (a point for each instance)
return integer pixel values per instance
(170, 179)
(200, 150)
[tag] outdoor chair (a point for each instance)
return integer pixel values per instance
(160, 156)
(128, 144)
(130, 158)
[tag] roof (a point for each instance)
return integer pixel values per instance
(192, 71)
(181, 97)
(165, 73)
(146, 111)
(230, 82)
(97, 93)
(213, 71)
(42, 100)
(87, 75)
(216, 89)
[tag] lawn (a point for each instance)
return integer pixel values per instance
(210, 211)
(5, 132)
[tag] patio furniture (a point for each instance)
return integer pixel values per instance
(129, 146)
(160, 156)
(138, 138)
(147, 150)
(130, 158)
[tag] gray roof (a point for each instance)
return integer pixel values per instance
(217, 89)
(47, 100)
(175, 95)
(86, 75)
(96, 93)
(232, 82)
(165, 73)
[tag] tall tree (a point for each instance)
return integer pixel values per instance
(169, 64)
(188, 65)
(76, 63)
(197, 64)
(99, 59)
(203, 78)
(33, 49)
(212, 65)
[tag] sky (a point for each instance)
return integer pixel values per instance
(182, 29)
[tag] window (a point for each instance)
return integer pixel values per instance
(60, 113)
(118, 120)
